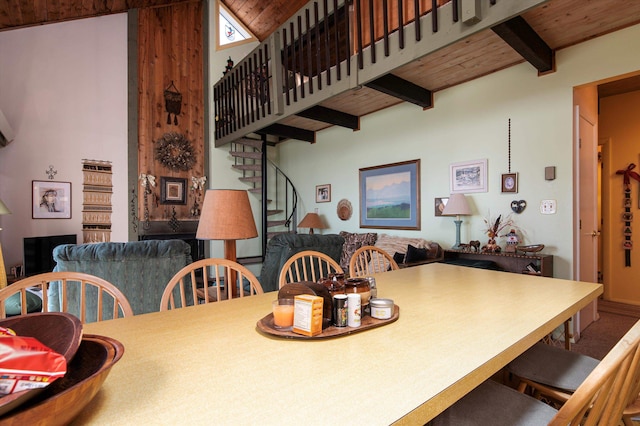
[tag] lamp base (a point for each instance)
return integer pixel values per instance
(457, 245)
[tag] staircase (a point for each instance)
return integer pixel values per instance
(267, 182)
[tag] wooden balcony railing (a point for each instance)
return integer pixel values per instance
(326, 49)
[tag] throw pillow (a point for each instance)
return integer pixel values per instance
(13, 304)
(398, 257)
(415, 254)
(352, 242)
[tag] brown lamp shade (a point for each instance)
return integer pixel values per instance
(312, 220)
(226, 215)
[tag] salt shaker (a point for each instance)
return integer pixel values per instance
(353, 310)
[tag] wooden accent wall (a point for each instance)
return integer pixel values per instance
(170, 48)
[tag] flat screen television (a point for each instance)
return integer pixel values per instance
(38, 252)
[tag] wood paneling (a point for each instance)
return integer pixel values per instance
(170, 49)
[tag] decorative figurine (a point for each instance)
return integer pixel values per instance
(512, 241)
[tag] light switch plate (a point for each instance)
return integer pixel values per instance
(548, 206)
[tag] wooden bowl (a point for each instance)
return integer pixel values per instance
(531, 249)
(59, 331)
(63, 400)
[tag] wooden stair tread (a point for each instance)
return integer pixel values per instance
(246, 154)
(251, 179)
(255, 167)
(276, 222)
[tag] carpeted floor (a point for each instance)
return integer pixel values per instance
(600, 336)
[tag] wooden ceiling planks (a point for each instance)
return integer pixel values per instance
(26, 13)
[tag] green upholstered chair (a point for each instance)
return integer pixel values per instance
(139, 269)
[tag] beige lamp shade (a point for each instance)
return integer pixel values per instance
(311, 220)
(457, 206)
(4, 209)
(226, 215)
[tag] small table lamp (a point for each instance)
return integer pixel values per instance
(457, 206)
(227, 215)
(311, 220)
(3, 271)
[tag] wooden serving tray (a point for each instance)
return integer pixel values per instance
(368, 322)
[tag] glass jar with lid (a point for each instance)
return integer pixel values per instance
(360, 286)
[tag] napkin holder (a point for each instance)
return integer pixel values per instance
(289, 291)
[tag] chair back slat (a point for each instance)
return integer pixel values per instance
(307, 265)
(205, 281)
(369, 260)
(88, 305)
(613, 384)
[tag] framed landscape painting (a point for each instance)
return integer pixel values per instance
(390, 196)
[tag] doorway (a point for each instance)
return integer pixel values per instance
(602, 202)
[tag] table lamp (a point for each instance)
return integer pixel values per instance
(3, 272)
(227, 215)
(311, 220)
(457, 206)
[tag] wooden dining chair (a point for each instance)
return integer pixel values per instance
(599, 400)
(181, 291)
(88, 297)
(369, 260)
(307, 265)
(549, 372)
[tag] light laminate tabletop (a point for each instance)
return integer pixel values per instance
(209, 364)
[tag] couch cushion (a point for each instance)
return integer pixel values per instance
(395, 244)
(140, 269)
(282, 246)
(415, 254)
(352, 242)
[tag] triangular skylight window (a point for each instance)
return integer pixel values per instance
(231, 32)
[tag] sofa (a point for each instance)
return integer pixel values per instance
(282, 246)
(140, 269)
(406, 250)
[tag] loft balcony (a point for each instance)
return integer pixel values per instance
(337, 60)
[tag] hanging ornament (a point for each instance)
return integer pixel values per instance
(509, 180)
(172, 103)
(627, 216)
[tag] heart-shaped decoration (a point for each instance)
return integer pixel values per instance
(518, 206)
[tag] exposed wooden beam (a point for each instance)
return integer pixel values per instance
(331, 116)
(524, 40)
(289, 132)
(402, 89)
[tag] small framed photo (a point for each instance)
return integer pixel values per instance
(468, 176)
(440, 204)
(173, 190)
(323, 193)
(51, 200)
(510, 182)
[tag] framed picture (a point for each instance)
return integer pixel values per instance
(173, 190)
(439, 205)
(390, 196)
(323, 193)
(509, 182)
(468, 176)
(50, 200)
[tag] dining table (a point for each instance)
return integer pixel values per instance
(210, 363)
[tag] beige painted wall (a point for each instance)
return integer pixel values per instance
(63, 89)
(469, 122)
(620, 128)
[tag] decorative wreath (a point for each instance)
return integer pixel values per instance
(174, 151)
